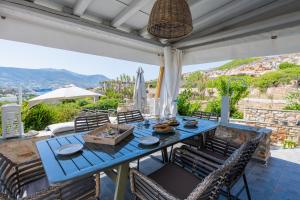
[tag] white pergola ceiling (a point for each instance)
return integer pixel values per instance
(117, 28)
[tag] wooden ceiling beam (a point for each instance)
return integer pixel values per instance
(81, 6)
(128, 12)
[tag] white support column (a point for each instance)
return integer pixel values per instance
(171, 82)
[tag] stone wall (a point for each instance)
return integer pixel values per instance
(284, 124)
(241, 133)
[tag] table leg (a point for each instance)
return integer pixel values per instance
(97, 177)
(121, 181)
(165, 155)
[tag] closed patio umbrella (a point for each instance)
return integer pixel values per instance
(67, 92)
(140, 96)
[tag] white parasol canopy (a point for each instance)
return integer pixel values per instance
(67, 92)
(140, 95)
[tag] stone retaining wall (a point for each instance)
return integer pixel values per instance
(240, 134)
(284, 124)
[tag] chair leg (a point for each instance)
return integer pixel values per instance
(246, 186)
(170, 156)
(228, 193)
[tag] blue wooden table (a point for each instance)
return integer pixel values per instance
(95, 158)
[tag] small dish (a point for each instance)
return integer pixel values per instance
(149, 140)
(168, 129)
(191, 124)
(69, 149)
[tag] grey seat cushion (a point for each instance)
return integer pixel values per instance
(36, 186)
(175, 180)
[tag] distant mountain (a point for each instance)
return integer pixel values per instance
(46, 78)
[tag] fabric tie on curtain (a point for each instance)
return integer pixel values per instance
(171, 82)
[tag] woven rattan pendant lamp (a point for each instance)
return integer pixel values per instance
(170, 19)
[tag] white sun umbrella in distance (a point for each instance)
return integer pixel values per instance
(67, 92)
(140, 95)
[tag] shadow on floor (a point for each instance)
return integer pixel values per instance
(279, 180)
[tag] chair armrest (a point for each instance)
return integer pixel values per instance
(30, 171)
(145, 188)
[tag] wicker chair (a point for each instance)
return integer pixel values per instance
(189, 184)
(197, 141)
(206, 115)
(90, 122)
(130, 117)
(28, 181)
(217, 152)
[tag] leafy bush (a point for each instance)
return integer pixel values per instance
(213, 83)
(184, 105)
(112, 94)
(38, 117)
(197, 80)
(104, 104)
(83, 102)
(65, 112)
(286, 65)
(293, 100)
(237, 91)
(275, 78)
(236, 63)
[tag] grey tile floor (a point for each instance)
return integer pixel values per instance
(279, 180)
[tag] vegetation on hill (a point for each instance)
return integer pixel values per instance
(236, 63)
(293, 100)
(284, 75)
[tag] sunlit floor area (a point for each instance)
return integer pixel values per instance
(277, 181)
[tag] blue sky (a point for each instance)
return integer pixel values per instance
(22, 55)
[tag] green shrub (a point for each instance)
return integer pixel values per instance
(237, 91)
(184, 105)
(197, 80)
(65, 112)
(213, 83)
(293, 101)
(236, 63)
(286, 65)
(83, 102)
(275, 78)
(104, 104)
(38, 117)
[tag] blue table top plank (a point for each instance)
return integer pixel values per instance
(95, 157)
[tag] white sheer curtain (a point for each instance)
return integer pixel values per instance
(171, 82)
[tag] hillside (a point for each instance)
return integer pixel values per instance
(46, 78)
(254, 66)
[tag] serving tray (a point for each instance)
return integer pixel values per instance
(100, 135)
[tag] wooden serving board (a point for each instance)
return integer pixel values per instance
(95, 135)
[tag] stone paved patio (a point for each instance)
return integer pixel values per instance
(280, 180)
